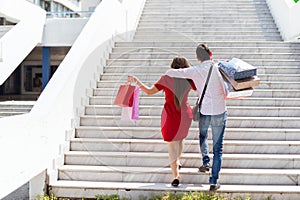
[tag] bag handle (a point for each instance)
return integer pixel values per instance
(205, 86)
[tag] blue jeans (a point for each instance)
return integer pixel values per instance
(218, 124)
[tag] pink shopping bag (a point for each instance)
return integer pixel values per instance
(124, 96)
(132, 113)
(135, 105)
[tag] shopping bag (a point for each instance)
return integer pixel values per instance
(132, 113)
(232, 94)
(126, 113)
(135, 105)
(238, 69)
(124, 97)
(241, 83)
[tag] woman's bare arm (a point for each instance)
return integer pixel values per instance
(148, 90)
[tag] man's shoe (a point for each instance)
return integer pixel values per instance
(175, 182)
(204, 168)
(214, 187)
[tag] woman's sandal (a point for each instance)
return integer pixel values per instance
(175, 182)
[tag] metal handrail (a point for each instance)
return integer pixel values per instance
(69, 14)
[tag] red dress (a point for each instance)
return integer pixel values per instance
(175, 123)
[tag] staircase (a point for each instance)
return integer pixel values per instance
(4, 29)
(10, 108)
(262, 140)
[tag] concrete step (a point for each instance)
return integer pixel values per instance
(190, 146)
(191, 18)
(214, 49)
(90, 189)
(191, 3)
(11, 108)
(191, 55)
(11, 113)
(252, 134)
(15, 109)
(257, 93)
(267, 68)
(157, 27)
(194, 20)
(232, 122)
(107, 89)
(207, 1)
(152, 77)
(183, 37)
(250, 101)
(163, 175)
(203, 3)
(206, 25)
(211, 44)
(173, 33)
(4, 29)
(208, 9)
(189, 160)
(237, 111)
(16, 104)
(166, 62)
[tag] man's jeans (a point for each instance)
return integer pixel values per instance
(217, 123)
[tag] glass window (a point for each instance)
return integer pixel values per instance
(33, 78)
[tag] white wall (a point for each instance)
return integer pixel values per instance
(37, 140)
(87, 4)
(286, 14)
(24, 36)
(62, 31)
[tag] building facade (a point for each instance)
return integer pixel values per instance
(26, 82)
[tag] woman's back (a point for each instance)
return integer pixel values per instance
(175, 121)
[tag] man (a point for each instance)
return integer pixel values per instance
(213, 110)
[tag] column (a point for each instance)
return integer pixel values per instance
(45, 65)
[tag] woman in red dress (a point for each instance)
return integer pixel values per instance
(177, 114)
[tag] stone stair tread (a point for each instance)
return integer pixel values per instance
(260, 134)
(230, 106)
(187, 141)
(164, 12)
(211, 43)
(167, 67)
(151, 31)
(168, 60)
(220, 50)
(261, 82)
(246, 98)
(193, 53)
(184, 170)
(186, 155)
(118, 74)
(11, 112)
(17, 102)
(167, 187)
(158, 128)
(148, 82)
(229, 117)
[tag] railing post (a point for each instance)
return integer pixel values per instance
(45, 66)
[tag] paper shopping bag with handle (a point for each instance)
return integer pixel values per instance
(124, 96)
(132, 113)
